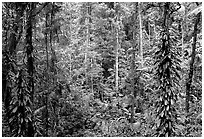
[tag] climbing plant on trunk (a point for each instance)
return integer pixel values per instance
(167, 66)
(14, 29)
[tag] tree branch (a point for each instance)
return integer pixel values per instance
(38, 10)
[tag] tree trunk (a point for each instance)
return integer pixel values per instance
(92, 63)
(14, 29)
(53, 56)
(149, 35)
(166, 111)
(87, 41)
(190, 75)
(47, 74)
(116, 54)
(183, 30)
(11, 44)
(140, 34)
(133, 94)
(54, 70)
(70, 66)
(17, 26)
(29, 51)
(70, 55)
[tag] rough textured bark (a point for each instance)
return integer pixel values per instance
(190, 75)
(30, 65)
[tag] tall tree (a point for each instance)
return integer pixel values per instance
(116, 51)
(134, 44)
(183, 28)
(47, 74)
(30, 64)
(53, 53)
(88, 8)
(167, 65)
(140, 34)
(14, 29)
(193, 55)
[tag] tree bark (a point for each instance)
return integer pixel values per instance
(92, 63)
(133, 93)
(166, 112)
(17, 26)
(70, 66)
(10, 52)
(149, 35)
(116, 54)
(47, 74)
(140, 34)
(70, 55)
(29, 51)
(87, 40)
(53, 56)
(11, 44)
(183, 28)
(190, 75)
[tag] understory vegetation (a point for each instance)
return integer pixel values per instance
(102, 69)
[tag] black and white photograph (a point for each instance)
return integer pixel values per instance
(101, 69)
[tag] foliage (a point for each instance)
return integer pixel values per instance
(20, 105)
(70, 57)
(167, 72)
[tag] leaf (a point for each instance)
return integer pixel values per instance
(162, 113)
(160, 98)
(167, 108)
(196, 10)
(172, 101)
(166, 134)
(19, 131)
(199, 116)
(137, 125)
(169, 124)
(180, 127)
(39, 109)
(158, 122)
(11, 119)
(165, 102)
(21, 120)
(14, 110)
